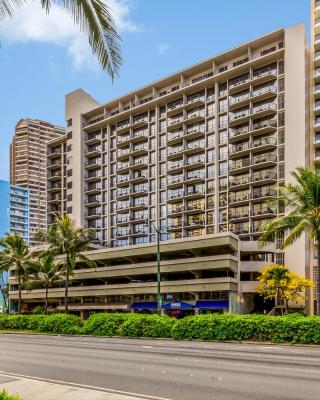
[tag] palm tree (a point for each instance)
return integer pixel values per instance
(3, 283)
(46, 273)
(94, 18)
(302, 206)
(16, 254)
(67, 242)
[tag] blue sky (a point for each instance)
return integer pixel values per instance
(43, 58)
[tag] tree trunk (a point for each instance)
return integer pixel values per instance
(318, 277)
(66, 308)
(46, 304)
(19, 288)
(4, 295)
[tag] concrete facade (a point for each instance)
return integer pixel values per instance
(200, 153)
(28, 169)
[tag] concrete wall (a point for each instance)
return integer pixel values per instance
(76, 104)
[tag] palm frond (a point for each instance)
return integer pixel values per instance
(94, 18)
(7, 7)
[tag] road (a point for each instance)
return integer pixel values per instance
(168, 369)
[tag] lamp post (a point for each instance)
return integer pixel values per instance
(158, 231)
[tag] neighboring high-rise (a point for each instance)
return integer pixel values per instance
(28, 166)
(201, 152)
(14, 210)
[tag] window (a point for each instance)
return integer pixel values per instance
(223, 152)
(223, 137)
(69, 122)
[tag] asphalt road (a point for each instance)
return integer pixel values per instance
(167, 369)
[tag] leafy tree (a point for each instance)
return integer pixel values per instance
(46, 273)
(302, 206)
(277, 282)
(16, 255)
(94, 19)
(67, 242)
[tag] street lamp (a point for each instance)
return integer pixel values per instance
(159, 232)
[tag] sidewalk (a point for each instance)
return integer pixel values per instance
(32, 389)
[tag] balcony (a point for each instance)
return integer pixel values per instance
(123, 166)
(240, 83)
(237, 215)
(265, 126)
(195, 162)
(54, 176)
(123, 127)
(140, 149)
(264, 109)
(139, 190)
(175, 123)
(239, 198)
(93, 176)
(175, 137)
(264, 160)
(54, 164)
(175, 180)
(237, 101)
(92, 213)
(264, 212)
(139, 121)
(123, 219)
(140, 231)
(239, 230)
(195, 116)
(123, 153)
(54, 199)
(178, 209)
(239, 117)
(265, 176)
(92, 201)
(241, 148)
(239, 181)
(54, 187)
(264, 75)
(174, 107)
(265, 192)
(93, 151)
(54, 152)
(264, 143)
(92, 163)
(194, 193)
(175, 196)
(176, 166)
(239, 165)
(123, 193)
(140, 162)
(239, 133)
(93, 188)
(92, 138)
(195, 177)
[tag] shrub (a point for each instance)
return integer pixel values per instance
(102, 324)
(20, 322)
(4, 395)
(147, 326)
(61, 323)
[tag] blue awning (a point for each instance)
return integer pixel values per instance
(177, 305)
(144, 305)
(207, 304)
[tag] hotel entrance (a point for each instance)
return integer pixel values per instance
(178, 309)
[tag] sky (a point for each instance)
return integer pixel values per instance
(43, 57)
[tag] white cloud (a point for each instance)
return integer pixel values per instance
(163, 48)
(31, 24)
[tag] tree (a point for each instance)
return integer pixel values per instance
(94, 19)
(67, 242)
(4, 284)
(47, 273)
(277, 282)
(16, 255)
(302, 206)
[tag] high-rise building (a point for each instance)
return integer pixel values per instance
(28, 169)
(199, 153)
(14, 210)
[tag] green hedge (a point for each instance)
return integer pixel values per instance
(292, 328)
(6, 396)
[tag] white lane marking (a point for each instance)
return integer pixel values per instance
(147, 347)
(101, 389)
